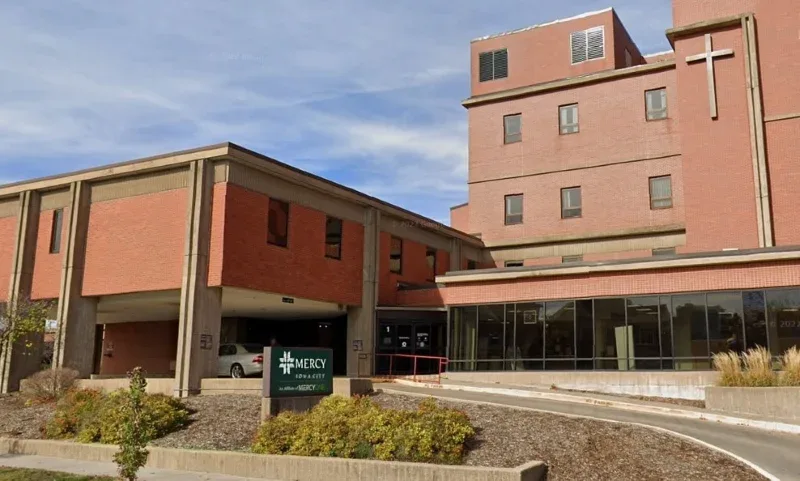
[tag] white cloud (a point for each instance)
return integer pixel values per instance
(366, 92)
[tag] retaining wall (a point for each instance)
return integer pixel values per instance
(286, 468)
(771, 402)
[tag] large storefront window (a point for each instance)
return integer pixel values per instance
(784, 319)
(680, 332)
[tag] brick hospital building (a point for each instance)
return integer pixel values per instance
(626, 212)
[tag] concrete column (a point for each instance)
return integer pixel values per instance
(77, 316)
(455, 255)
(16, 360)
(200, 319)
(361, 320)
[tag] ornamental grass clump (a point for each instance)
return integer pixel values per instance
(758, 368)
(729, 365)
(359, 428)
(790, 365)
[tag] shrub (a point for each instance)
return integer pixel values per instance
(790, 365)
(758, 368)
(359, 428)
(132, 454)
(73, 413)
(48, 385)
(729, 365)
(90, 416)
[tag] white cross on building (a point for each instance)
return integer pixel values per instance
(709, 55)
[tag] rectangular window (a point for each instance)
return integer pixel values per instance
(661, 192)
(493, 65)
(568, 259)
(55, 231)
(333, 238)
(587, 45)
(664, 251)
(568, 119)
(513, 209)
(430, 256)
(570, 202)
(656, 104)
(512, 128)
(278, 223)
(396, 256)
(514, 263)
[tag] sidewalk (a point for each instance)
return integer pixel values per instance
(617, 402)
(108, 469)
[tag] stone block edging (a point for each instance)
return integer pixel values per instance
(642, 408)
(768, 402)
(294, 468)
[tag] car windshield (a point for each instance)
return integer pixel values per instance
(253, 348)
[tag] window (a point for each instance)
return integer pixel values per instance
(430, 256)
(664, 251)
(568, 259)
(514, 263)
(656, 104)
(471, 265)
(588, 45)
(278, 223)
(493, 65)
(512, 128)
(568, 119)
(396, 256)
(570, 202)
(661, 192)
(333, 238)
(628, 58)
(514, 209)
(55, 231)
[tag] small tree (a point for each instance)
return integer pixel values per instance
(22, 318)
(132, 454)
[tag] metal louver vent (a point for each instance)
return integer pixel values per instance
(596, 43)
(493, 65)
(578, 42)
(501, 64)
(588, 44)
(486, 66)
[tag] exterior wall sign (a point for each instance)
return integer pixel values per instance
(206, 341)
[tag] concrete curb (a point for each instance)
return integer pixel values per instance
(750, 464)
(294, 468)
(664, 411)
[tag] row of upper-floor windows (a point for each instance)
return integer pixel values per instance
(659, 252)
(572, 200)
(655, 109)
(585, 45)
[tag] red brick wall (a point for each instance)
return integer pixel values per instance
(719, 191)
(151, 345)
(622, 41)
(301, 270)
(783, 139)
(8, 238)
(660, 58)
(215, 257)
(685, 12)
(778, 42)
(47, 267)
(136, 244)
(614, 197)
(753, 276)
(420, 298)
(459, 219)
(542, 54)
(414, 270)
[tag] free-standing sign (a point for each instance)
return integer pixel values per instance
(297, 372)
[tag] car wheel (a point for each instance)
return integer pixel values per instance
(237, 371)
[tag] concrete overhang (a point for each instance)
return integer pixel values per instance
(705, 259)
(695, 28)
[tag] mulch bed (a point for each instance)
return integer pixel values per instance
(574, 449)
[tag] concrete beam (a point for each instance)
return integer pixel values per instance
(361, 319)
(77, 315)
(16, 360)
(200, 316)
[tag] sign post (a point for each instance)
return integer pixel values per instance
(295, 379)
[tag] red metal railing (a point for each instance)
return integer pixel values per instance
(411, 367)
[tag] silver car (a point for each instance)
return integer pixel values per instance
(240, 360)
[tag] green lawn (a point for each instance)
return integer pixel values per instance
(17, 474)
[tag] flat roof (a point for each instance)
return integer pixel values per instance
(540, 25)
(221, 151)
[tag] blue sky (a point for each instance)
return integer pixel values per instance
(365, 93)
